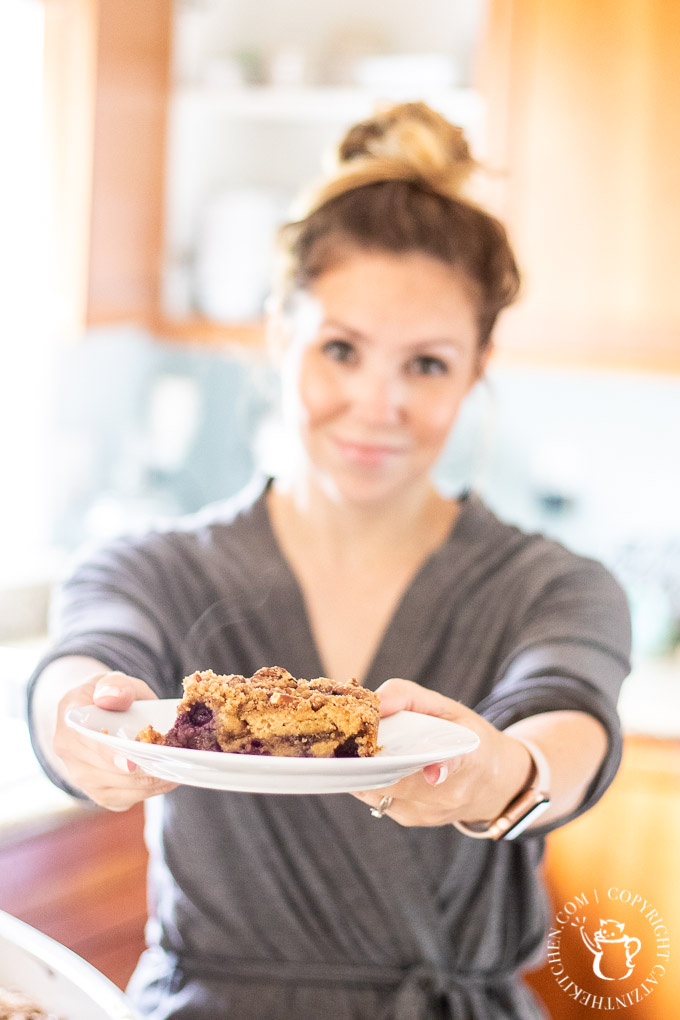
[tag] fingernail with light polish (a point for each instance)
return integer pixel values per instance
(443, 774)
(123, 764)
(107, 692)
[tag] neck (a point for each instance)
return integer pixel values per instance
(362, 534)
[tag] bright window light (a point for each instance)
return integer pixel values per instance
(26, 293)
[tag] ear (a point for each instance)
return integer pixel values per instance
(483, 359)
(479, 367)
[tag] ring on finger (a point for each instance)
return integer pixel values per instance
(383, 807)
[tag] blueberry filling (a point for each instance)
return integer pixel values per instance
(304, 744)
(194, 729)
(254, 746)
(348, 749)
(199, 714)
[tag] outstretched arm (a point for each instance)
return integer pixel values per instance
(479, 786)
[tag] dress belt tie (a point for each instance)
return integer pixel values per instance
(416, 987)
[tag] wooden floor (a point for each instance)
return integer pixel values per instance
(84, 884)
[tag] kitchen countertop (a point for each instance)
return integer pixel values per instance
(27, 797)
(649, 704)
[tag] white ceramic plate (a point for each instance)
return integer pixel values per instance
(55, 978)
(408, 740)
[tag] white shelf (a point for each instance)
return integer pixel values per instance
(223, 136)
(317, 104)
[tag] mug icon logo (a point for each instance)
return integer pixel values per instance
(613, 950)
(608, 948)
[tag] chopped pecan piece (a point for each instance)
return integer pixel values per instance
(281, 698)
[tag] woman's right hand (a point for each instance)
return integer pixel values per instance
(107, 777)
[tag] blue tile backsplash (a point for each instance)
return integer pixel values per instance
(145, 428)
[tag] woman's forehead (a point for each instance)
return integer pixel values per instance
(411, 295)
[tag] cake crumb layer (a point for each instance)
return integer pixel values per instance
(273, 713)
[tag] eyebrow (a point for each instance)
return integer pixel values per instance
(415, 345)
(336, 324)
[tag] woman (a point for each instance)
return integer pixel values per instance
(351, 563)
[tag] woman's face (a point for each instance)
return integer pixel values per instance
(380, 352)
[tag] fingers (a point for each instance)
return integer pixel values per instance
(116, 691)
(94, 769)
(124, 764)
(116, 786)
(402, 807)
(420, 789)
(113, 691)
(116, 798)
(474, 785)
(106, 776)
(437, 774)
(397, 695)
(414, 800)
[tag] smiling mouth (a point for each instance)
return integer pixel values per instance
(367, 453)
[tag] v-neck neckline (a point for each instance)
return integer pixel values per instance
(416, 584)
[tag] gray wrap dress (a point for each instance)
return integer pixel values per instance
(305, 907)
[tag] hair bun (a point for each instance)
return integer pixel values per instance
(408, 142)
(416, 137)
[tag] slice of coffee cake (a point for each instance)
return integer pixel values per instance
(272, 713)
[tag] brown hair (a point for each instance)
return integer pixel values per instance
(396, 186)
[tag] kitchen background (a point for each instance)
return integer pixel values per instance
(154, 149)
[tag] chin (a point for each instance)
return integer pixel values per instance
(365, 488)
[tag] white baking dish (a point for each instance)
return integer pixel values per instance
(55, 978)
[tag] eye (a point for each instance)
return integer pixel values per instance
(428, 364)
(339, 350)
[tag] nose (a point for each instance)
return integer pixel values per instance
(378, 395)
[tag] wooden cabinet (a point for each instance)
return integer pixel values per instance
(581, 111)
(133, 53)
(106, 73)
(582, 115)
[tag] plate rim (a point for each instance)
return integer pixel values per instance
(267, 763)
(269, 774)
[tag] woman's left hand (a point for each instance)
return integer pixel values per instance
(470, 787)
